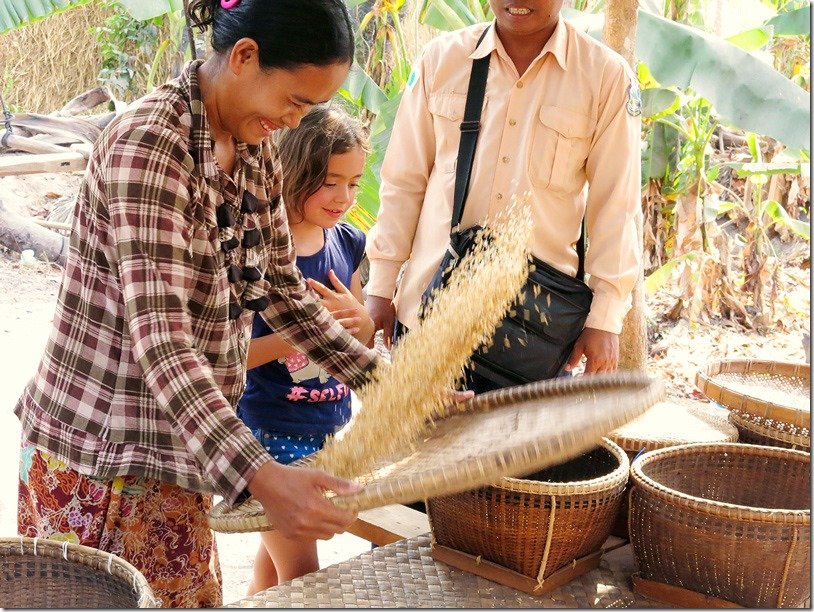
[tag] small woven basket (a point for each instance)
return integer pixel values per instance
(768, 400)
(671, 423)
(725, 522)
(752, 430)
(537, 525)
(39, 573)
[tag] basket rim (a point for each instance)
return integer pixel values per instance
(713, 507)
(641, 389)
(738, 400)
(84, 555)
(618, 476)
(768, 432)
(634, 444)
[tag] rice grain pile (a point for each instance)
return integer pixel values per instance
(426, 364)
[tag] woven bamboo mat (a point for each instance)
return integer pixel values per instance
(404, 575)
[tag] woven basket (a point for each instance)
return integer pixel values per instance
(671, 423)
(725, 521)
(772, 390)
(540, 524)
(751, 430)
(668, 423)
(39, 573)
(508, 432)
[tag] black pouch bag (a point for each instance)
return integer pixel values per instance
(536, 338)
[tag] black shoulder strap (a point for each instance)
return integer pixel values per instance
(470, 128)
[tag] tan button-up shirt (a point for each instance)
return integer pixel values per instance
(567, 121)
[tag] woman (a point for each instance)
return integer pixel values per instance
(179, 237)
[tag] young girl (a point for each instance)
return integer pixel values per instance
(290, 402)
(179, 237)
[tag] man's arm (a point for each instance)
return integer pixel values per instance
(405, 171)
(613, 221)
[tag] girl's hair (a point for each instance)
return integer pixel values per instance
(289, 33)
(305, 150)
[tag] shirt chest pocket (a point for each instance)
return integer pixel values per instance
(560, 142)
(447, 110)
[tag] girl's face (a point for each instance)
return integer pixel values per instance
(263, 100)
(337, 194)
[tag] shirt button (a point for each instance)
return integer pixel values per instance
(500, 196)
(520, 84)
(512, 122)
(505, 159)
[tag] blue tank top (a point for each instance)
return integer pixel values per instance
(295, 395)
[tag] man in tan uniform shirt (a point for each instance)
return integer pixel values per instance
(561, 110)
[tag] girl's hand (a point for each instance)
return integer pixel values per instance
(350, 320)
(339, 302)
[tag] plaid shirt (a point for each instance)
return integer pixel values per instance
(144, 365)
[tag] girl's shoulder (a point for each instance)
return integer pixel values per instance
(350, 239)
(346, 233)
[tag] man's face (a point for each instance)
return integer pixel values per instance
(525, 17)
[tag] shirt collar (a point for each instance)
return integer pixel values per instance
(557, 45)
(200, 136)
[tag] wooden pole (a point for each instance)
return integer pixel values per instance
(620, 35)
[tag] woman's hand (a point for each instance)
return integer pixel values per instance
(295, 503)
(347, 310)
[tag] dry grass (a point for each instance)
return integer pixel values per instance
(46, 64)
(429, 360)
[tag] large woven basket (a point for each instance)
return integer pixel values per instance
(771, 394)
(669, 423)
(729, 523)
(509, 432)
(39, 573)
(536, 525)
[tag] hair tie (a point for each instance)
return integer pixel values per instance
(229, 4)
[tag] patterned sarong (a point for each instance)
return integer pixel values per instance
(158, 527)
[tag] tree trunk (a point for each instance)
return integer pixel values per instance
(18, 233)
(620, 35)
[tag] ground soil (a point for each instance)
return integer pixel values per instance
(28, 295)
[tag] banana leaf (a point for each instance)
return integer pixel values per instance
(792, 23)
(17, 13)
(147, 9)
(362, 90)
(745, 91)
(448, 15)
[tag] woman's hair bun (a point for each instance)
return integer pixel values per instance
(202, 12)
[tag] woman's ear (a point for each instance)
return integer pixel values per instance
(244, 53)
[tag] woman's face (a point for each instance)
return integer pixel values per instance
(338, 192)
(258, 101)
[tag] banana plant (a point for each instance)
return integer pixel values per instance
(447, 15)
(17, 13)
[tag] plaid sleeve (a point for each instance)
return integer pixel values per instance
(300, 318)
(146, 182)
